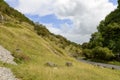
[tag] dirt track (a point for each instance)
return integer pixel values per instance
(101, 64)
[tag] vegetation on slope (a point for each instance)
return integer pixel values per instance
(6, 9)
(73, 49)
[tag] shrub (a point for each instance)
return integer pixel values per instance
(41, 30)
(102, 53)
(87, 53)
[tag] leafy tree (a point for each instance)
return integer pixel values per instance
(85, 45)
(96, 40)
(117, 47)
(111, 35)
(108, 35)
(118, 3)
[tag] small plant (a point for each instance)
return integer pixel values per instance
(19, 58)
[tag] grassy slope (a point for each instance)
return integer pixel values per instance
(21, 36)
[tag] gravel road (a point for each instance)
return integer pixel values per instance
(101, 64)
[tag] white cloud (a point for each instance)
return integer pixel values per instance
(36, 7)
(85, 15)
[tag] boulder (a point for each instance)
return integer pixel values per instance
(51, 64)
(69, 64)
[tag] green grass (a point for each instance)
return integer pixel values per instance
(39, 52)
(114, 63)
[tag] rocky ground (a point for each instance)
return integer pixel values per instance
(6, 74)
(6, 57)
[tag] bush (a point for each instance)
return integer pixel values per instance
(102, 53)
(87, 53)
(41, 30)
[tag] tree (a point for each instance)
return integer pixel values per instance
(118, 3)
(117, 47)
(85, 45)
(96, 40)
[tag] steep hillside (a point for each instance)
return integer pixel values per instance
(72, 48)
(32, 49)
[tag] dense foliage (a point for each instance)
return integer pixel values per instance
(41, 30)
(98, 53)
(108, 36)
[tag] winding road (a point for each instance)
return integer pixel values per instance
(101, 64)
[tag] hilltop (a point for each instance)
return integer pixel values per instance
(33, 46)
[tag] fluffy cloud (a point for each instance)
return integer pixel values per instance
(36, 7)
(85, 15)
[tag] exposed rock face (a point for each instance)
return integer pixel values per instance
(6, 57)
(6, 74)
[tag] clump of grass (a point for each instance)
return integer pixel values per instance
(19, 58)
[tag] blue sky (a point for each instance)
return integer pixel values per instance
(114, 1)
(65, 18)
(49, 19)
